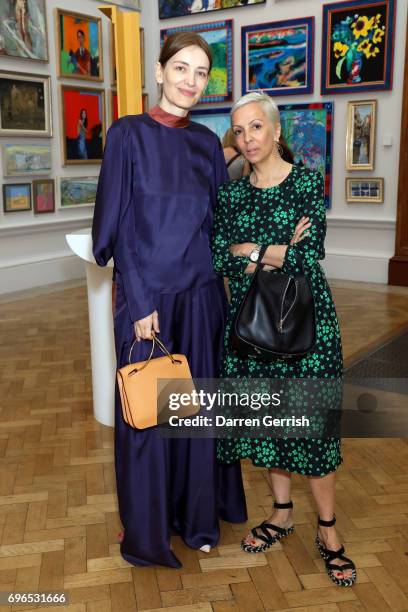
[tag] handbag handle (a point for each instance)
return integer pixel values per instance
(162, 347)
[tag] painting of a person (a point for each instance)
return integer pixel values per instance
(82, 133)
(22, 15)
(82, 55)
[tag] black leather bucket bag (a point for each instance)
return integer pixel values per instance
(276, 319)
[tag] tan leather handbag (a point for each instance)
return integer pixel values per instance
(146, 388)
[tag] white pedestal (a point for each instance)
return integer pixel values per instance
(103, 358)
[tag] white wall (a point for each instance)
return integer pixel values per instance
(33, 250)
(360, 237)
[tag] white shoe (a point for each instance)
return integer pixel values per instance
(205, 548)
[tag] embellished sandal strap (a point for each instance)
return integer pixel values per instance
(334, 554)
(326, 523)
(340, 568)
(284, 506)
(265, 538)
(279, 530)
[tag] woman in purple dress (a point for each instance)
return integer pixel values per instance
(153, 214)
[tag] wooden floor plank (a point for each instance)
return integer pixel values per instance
(59, 519)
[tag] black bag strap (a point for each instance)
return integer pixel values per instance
(299, 260)
(261, 255)
(233, 158)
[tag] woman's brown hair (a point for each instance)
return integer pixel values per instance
(180, 40)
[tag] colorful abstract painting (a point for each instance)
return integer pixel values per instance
(216, 119)
(23, 29)
(178, 8)
(219, 36)
(83, 124)
(358, 46)
(307, 128)
(25, 160)
(79, 46)
(277, 57)
(75, 192)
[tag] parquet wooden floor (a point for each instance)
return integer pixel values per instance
(58, 510)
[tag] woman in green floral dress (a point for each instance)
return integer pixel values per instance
(280, 205)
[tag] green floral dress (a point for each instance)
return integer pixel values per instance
(246, 213)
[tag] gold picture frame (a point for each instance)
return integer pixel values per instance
(78, 64)
(77, 147)
(361, 131)
(25, 104)
(365, 189)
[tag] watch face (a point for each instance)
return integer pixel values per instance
(254, 256)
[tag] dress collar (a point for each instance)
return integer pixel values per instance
(168, 119)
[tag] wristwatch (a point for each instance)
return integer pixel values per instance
(254, 254)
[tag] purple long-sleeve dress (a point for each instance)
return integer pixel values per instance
(153, 214)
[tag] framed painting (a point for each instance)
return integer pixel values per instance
(23, 29)
(145, 102)
(83, 124)
(218, 120)
(79, 46)
(25, 104)
(16, 197)
(360, 138)
(219, 36)
(26, 160)
(307, 129)
(76, 192)
(277, 57)
(44, 196)
(357, 46)
(365, 190)
(114, 109)
(178, 8)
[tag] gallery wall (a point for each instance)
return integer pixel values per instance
(360, 238)
(33, 249)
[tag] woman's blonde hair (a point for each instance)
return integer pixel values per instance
(268, 104)
(228, 140)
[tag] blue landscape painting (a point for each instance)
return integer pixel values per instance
(278, 58)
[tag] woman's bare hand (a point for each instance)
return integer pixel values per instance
(145, 327)
(301, 230)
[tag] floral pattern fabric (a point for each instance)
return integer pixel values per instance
(269, 216)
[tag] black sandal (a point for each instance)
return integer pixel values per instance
(266, 536)
(329, 555)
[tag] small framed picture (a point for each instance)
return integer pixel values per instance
(16, 197)
(82, 124)
(360, 138)
(114, 108)
(25, 104)
(363, 189)
(23, 30)
(76, 192)
(26, 160)
(277, 57)
(79, 46)
(44, 196)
